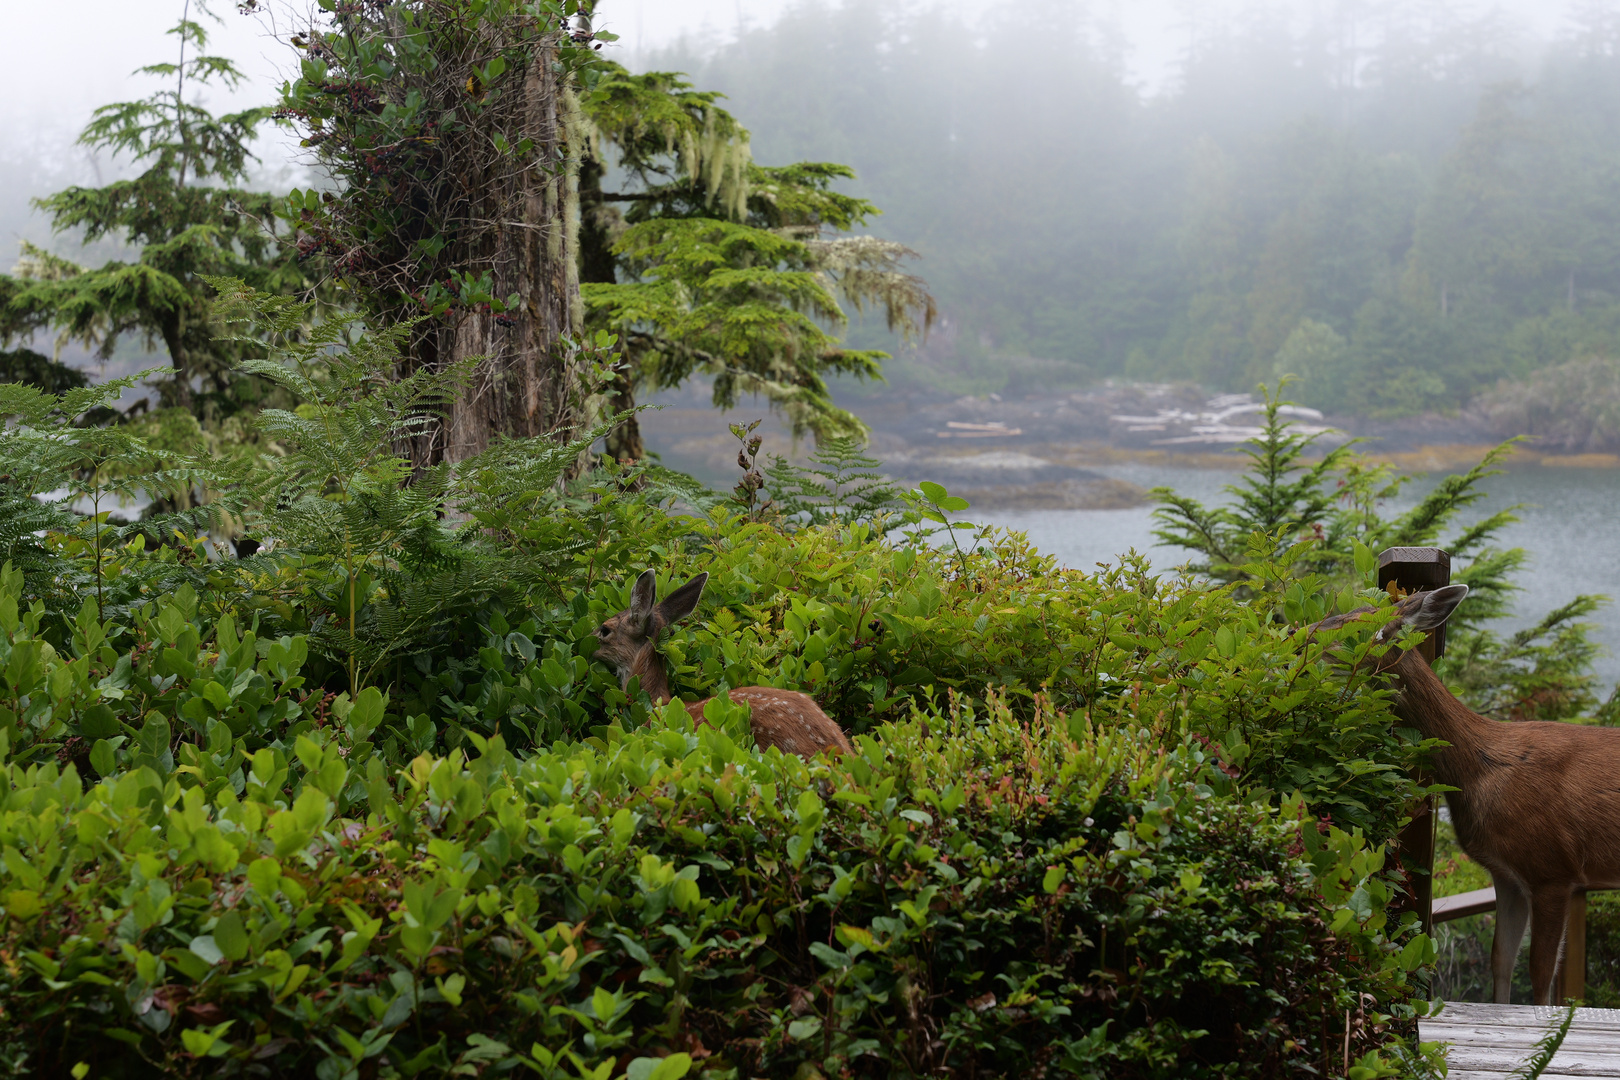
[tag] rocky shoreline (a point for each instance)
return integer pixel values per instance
(1044, 452)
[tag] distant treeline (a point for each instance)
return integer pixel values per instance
(1401, 208)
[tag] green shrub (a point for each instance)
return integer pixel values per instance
(1603, 950)
(868, 628)
(1543, 672)
(978, 895)
(365, 804)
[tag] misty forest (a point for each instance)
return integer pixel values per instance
(1403, 209)
(897, 540)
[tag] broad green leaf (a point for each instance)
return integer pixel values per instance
(230, 936)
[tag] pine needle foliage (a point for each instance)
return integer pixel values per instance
(1332, 506)
(28, 366)
(1280, 496)
(395, 551)
(1335, 500)
(188, 215)
(723, 267)
(661, 130)
(1543, 672)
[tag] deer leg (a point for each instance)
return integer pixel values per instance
(1549, 909)
(1512, 916)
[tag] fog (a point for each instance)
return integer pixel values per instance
(68, 59)
(1154, 189)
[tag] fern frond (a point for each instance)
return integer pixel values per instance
(343, 502)
(1537, 1062)
(840, 485)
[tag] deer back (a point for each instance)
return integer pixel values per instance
(786, 719)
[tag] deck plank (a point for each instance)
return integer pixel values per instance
(1515, 1039)
(1487, 1042)
(1529, 1015)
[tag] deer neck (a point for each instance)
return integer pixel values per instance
(1426, 704)
(649, 668)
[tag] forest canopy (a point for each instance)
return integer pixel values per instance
(1403, 207)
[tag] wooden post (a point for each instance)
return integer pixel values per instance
(1415, 569)
(1411, 570)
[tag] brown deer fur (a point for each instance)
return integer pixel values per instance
(1537, 805)
(785, 719)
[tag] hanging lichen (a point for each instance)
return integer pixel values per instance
(657, 129)
(725, 268)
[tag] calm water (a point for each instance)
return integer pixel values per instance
(1569, 522)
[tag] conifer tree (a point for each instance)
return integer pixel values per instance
(1332, 505)
(188, 215)
(721, 266)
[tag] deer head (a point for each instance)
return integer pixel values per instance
(626, 641)
(1426, 611)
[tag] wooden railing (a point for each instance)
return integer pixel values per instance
(1417, 570)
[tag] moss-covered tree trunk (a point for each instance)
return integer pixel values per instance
(526, 382)
(453, 134)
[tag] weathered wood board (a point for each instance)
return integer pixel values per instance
(1489, 1041)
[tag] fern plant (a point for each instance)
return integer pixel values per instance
(840, 485)
(1280, 496)
(1541, 1058)
(393, 549)
(63, 477)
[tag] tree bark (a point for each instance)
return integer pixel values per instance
(526, 382)
(177, 392)
(596, 262)
(624, 441)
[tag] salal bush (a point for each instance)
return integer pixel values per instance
(153, 693)
(972, 894)
(871, 629)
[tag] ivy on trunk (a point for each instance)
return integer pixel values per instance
(449, 130)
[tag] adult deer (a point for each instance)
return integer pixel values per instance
(782, 718)
(1537, 803)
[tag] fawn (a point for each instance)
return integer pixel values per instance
(782, 718)
(1537, 802)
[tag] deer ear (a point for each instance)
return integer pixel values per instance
(642, 597)
(1435, 607)
(683, 601)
